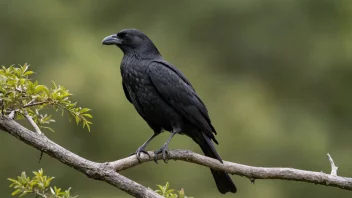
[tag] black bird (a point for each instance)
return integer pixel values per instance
(164, 98)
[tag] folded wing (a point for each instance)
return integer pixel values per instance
(180, 95)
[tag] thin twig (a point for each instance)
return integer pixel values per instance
(333, 167)
(41, 156)
(12, 114)
(31, 104)
(31, 121)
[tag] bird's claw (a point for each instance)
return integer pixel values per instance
(139, 151)
(165, 151)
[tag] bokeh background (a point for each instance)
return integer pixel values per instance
(276, 76)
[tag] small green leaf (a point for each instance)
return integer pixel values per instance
(27, 73)
(41, 88)
(167, 186)
(16, 192)
(84, 110)
(24, 193)
(87, 115)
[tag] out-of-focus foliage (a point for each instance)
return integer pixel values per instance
(166, 192)
(276, 76)
(19, 96)
(39, 186)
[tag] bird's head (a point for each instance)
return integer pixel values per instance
(131, 41)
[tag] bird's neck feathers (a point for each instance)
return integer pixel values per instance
(146, 51)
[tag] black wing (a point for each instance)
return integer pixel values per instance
(126, 92)
(155, 127)
(179, 93)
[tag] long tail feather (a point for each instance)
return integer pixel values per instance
(222, 179)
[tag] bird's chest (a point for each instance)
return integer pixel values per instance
(144, 95)
(138, 84)
(135, 77)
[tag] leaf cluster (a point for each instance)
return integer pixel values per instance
(21, 97)
(39, 186)
(166, 192)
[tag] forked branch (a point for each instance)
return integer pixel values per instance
(108, 171)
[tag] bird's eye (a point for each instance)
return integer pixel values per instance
(122, 35)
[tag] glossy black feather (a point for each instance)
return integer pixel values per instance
(164, 97)
(180, 95)
(126, 92)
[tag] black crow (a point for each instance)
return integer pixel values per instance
(164, 98)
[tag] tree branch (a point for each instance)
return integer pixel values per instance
(108, 171)
(98, 171)
(250, 172)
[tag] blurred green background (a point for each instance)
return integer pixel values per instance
(276, 76)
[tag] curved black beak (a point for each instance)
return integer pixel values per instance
(111, 40)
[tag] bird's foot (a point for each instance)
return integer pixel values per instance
(139, 151)
(164, 150)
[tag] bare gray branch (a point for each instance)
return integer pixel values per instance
(250, 172)
(98, 171)
(108, 171)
